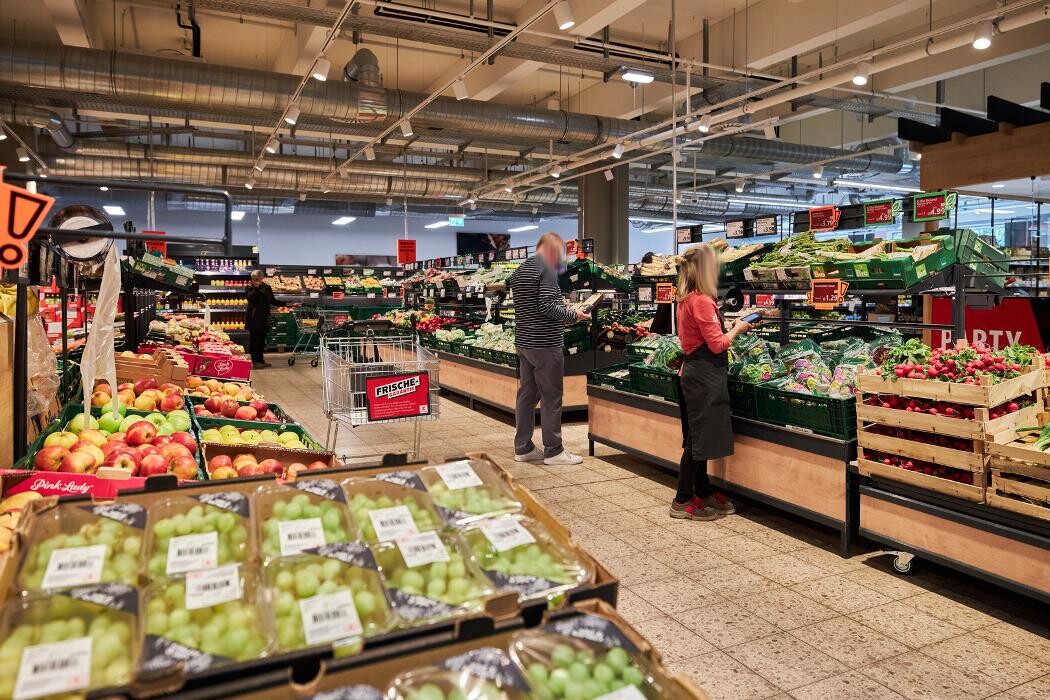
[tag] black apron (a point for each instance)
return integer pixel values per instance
(703, 399)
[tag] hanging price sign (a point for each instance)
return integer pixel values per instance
(406, 251)
(664, 293)
(825, 294)
(932, 206)
(21, 213)
(824, 218)
(883, 212)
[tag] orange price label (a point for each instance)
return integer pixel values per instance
(664, 293)
(825, 294)
(21, 213)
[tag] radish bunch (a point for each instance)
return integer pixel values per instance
(965, 365)
(923, 467)
(954, 443)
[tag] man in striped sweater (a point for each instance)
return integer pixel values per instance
(540, 315)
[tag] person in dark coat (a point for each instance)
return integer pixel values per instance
(703, 399)
(257, 318)
(662, 320)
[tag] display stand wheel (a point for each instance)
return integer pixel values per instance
(291, 361)
(902, 562)
(313, 362)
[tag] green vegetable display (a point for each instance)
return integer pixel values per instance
(803, 249)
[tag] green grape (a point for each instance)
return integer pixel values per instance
(362, 504)
(581, 674)
(286, 504)
(123, 545)
(198, 518)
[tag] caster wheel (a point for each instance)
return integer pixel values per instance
(291, 361)
(902, 565)
(313, 363)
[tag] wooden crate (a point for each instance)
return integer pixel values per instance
(976, 461)
(971, 492)
(1021, 477)
(999, 430)
(985, 394)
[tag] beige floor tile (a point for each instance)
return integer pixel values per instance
(636, 569)
(582, 477)
(919, 677)
(779, 541)
(606, 546)
(960, 611)
(785, 569)
(727, 624)
(586, 507)
(697, 531)
(831, 560)
(1028, 638)
(634, 608)
(906, 624)
(742, 523)
(840, 594)
(725, 678)
(540, 483)
(674, 641)
(652, 538)
(848, 686)
(635, 501)
(565, 493)
(849, 641)
(677, 594)
(734, 581)
(786, 609)
(690, 559)
(892, 585)
(619, 521)
(1038, 689)
(740, 548)
(998, 666)
(786, 661)
(606, 488)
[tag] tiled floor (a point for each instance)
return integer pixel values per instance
(756, 605)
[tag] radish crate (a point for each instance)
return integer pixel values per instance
(1021, 474)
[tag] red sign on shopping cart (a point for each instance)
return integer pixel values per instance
(394, 396)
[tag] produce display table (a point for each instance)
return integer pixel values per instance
(798, 472)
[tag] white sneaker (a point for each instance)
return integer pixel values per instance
(564, 457)
(534, 456)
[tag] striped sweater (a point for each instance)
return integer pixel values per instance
(540, 313)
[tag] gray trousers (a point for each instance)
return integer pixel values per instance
(540, 377)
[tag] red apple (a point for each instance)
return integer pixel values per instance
(112, 446)
(199, 409)
(171, 402)
(270, 417)
(145, 384)
(260, 406)
(126, 398)
(123, 459)
(184, 467)
(148, 450)
(317, 464)
(245, 413)
(50, 457)
(95, 437)
(61, 438)
(145, 403)
(213, 404)
(229, 407)
(126, 386)
(118, 437)
(79, 462)
(152, 465)
(173, 450)
(193, 381)
(242, 458)
(224, 473)
(101, 398)
(249, 469)
(168, 387)
(97, 455)
(104, 387)
(186, 440)
(161, 440)
(292, 472)
(219, 461)
(271, 465)
(141, 433)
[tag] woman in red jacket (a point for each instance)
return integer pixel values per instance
(704, 390)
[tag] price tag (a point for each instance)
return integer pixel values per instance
(57, 667)
(371, 295)
(424, 548)
(297, 535)
(314, 295)
(311, 271)
(327, 271)
(329, 617)
(193, 552)
(75, 566)
(458, 475)
(628, 692)
(212, 587)
(392, 523)
(506, 533)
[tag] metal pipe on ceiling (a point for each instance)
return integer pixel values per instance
(38, 118)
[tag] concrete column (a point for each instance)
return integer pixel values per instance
(602, 216)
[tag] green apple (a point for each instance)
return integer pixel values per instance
(110, 422)
(211, 435)
(128, 422)
(267, 436)
(81, 421)
(294, 445)
(232, 439)
(287, 436)
(165, 428)
(179, 420)
(157, 419)
(250, 437)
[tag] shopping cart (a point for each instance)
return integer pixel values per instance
(372, 379)
(307, 320)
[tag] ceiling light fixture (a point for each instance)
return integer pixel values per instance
(768, 203)
(113, 209)
(861, 74)
(250, 183)
(739, 187)
(343, 220)
(273, 145)
(509, 189)
(236, 215)
(292, 115)
(998, 186)
(982, 35)
(860, 184)
(23, 155)
(519, 229)
(406, 129)
(617, 151)
(989, 211)
(437, 224)
(389, 201)
(637, 75)
(563, 15)
(557, 189)
(556, 171)
(3, 134)
(321, 67)
(473, 205)
(260, 166)
(818, 172)
(103, 188)
(459, 88)
(370, 153)
(609, 176)
(704, 125)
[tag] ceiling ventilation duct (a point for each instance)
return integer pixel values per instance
(40, 119)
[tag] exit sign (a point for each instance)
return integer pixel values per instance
(456, 221)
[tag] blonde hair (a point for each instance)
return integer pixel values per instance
(694, 273)
(550, 238)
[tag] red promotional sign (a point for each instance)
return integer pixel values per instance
(406, 251)
(158, 247)
(932, 206)
(1014, 320)
(879, 213)
(21, 213)
(824, 218)
(826, 294)
(393, 396)
(664, 293)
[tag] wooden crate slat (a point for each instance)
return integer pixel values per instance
(1023, 507)
(1009, 466)
(1019, 452)
(970, 492)
(899, 418)
(1027, 489)
(1004, 428)
(969, 461)
(970, 394)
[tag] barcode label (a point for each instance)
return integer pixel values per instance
(505, 533)
(213, 586)
(193, 553)
(628, 692)
(75, 566)
(392, 523)
(329, 617)
(458, 475)
(57, 667)
(297, 535)
(421, 549)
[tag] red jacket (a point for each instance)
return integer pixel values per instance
(699, 323)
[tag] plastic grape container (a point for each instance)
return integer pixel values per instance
(559, 666)
(469, 490)
(205, 619)
(384, 510)
(73, 545)
(61, 643)
(519, 553)
(350, 692)
(330, 594)
(309, 513)
(430, 577)
(485, 673)
(189, 533)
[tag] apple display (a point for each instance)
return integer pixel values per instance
(153, 464)
(229, 408)
(145, 403)
(110, 422)
(123, 459)
(95, 437)
(173, 449)
(61, 439)
(317, 464)
(184, 467)
(171, 403)
(48, 459)
(245, 413)
(145, 384)
(96, 454)
(80, 422)
(219, 461)
(186, 440)
(223, 473)
(141, 433)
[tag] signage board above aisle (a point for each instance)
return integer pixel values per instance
(406, 251)
(824, 218)
(765, 225)
(882, 212)
(735, 229)
(932, 206)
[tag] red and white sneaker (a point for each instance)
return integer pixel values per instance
(694, 510)
(718, 503)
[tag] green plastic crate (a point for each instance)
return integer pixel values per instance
(982, 258)
(577, 346)
(206, 423)
(577, 332)
(822, 415)
(603, 377)
(742, 399)
(900, 273)
(653, 381)
(481, 353)
(504, 358)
